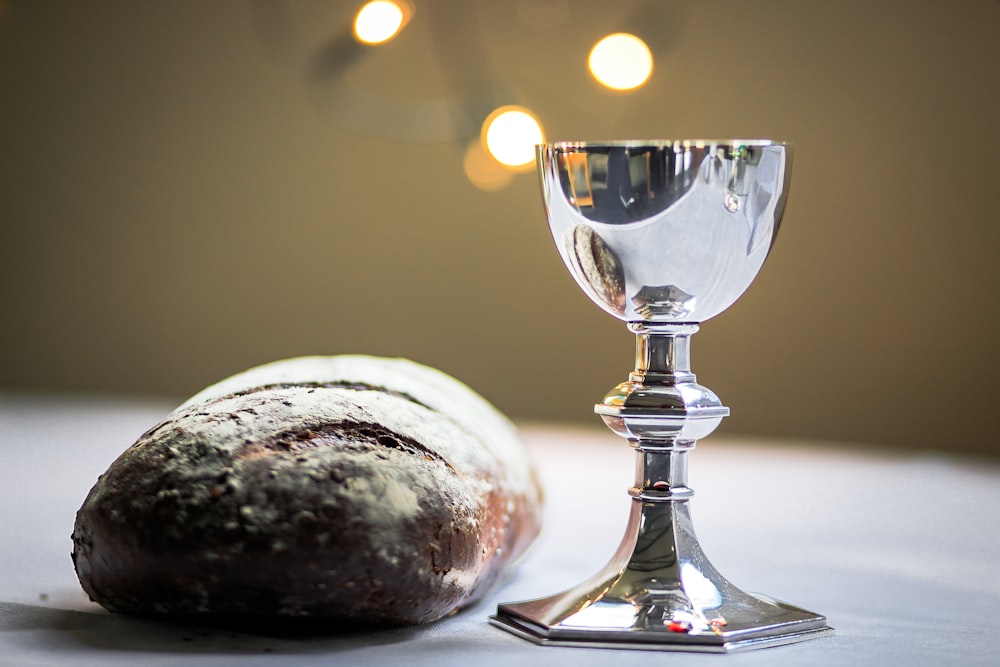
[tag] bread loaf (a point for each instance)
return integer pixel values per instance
(361, 488)
(598, 265)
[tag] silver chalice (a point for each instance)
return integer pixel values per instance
(662, 235)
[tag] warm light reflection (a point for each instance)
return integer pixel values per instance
(604, 614)
(510, 134)
(378, 21)
(621, 61)
(700, 590)
(483, 171)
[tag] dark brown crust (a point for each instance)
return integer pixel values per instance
(347, 435)
(284, 527)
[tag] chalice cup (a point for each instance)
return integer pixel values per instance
(662, 235)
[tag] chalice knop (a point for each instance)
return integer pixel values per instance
(663, 235)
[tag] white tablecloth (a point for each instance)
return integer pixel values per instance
(901, 552)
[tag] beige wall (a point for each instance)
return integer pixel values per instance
(176, 207)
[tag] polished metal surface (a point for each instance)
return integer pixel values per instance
(664, 231)
(663, 235)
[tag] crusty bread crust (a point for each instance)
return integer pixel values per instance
(355, 488)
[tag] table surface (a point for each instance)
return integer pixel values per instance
(899, 551)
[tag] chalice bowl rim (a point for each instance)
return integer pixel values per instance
(677, 143)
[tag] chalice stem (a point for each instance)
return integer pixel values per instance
(659, 590)
(662, 352)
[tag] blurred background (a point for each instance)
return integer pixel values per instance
(188, 189)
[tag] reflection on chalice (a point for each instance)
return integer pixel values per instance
(662, 235)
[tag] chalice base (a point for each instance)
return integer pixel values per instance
(660, 593)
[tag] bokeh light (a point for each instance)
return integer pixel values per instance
(379, 21)
(621, 61)
(483, 171)
(510, 134)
